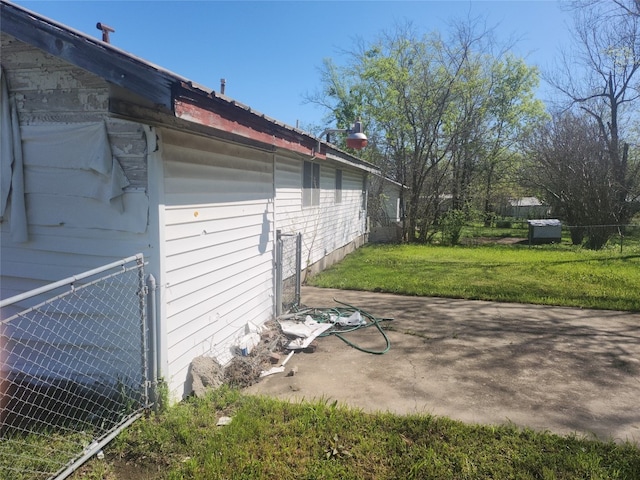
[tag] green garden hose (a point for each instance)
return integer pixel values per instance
(323, 315)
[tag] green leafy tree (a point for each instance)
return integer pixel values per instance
(496, 108)
(442, 114)
(451, 225)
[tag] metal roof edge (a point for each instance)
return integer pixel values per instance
(363, 164)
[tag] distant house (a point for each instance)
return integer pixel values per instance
(527, 207)
(121, 156)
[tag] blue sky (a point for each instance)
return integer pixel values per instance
(269, 52)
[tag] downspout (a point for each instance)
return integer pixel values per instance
(155, 187)
(274, 235)
(153, 327)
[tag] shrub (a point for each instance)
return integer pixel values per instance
(503, 223)
(451, 226)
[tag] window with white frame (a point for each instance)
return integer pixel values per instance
(310, 184)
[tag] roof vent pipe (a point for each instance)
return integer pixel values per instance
(106, 29)
(223, 83)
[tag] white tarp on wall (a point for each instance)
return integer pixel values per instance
(72, 178)
(11, 168)
(77, 156)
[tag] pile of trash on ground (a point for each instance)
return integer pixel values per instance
(265, 350)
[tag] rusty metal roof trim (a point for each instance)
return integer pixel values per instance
(212, 100)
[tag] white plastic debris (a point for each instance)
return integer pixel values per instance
(299, 329)
(306, 331)
(280, 369)
(352, 320)
(284, 362)
(247, 343)
(271, 371)
(250, 327)
(222, 421)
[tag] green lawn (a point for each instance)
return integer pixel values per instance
(271, 439)
(548, 275)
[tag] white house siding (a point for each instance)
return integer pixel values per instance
(218, 247)
(327, 226)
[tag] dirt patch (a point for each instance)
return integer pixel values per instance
(128, 469)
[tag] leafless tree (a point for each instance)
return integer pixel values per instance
(568, 164)
(602, 77)
(612, 8)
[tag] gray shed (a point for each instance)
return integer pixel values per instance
(545, 231)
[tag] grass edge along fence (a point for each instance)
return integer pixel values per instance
(514, 231)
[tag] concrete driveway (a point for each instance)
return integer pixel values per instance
(565, 370)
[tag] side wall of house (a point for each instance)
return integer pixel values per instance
(218, 214)
(333, 227)
(70, 229)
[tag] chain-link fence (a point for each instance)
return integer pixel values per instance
(599, 236)
(288, 268)
(72, 369)
(624, 238)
